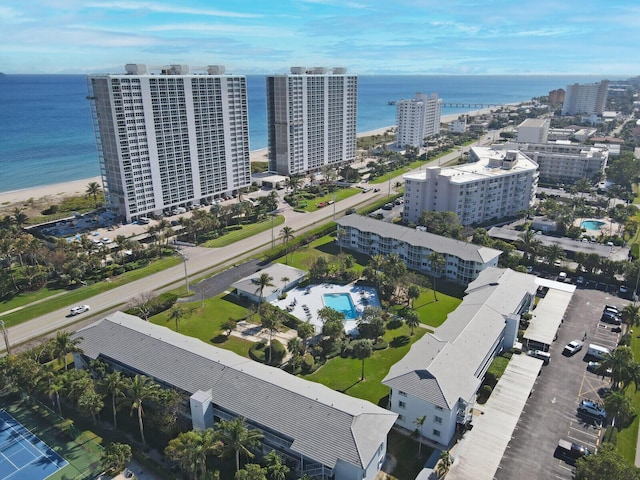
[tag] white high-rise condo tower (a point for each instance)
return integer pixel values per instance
(167, 138)
(311, 119)
(417, 118)
(585, 99)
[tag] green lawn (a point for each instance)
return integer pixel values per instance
(340, 194)
(434, 313)
(78, 295)
(245, 232)
(343, 374)
(205, 322)
(404, 449)
(628, 437)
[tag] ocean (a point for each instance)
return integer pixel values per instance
(46, 134)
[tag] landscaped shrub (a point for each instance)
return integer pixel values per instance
(347, 351)
(484, 394)
(257, 352)
(308, 363)
(380, 344)
(278, 351)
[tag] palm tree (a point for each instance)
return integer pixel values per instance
(113, 384)
(618, 362)
(176, 313)
(413, 292)
(270, 319)
(529, 243)
(64, 344)
(436, 261)
(553, 253)
(631, 314)
(139, 389)
(411, 318)
(619, 406)
(237, 438)
(363, 349)
(276, 469)
(444, 464)
(191, 449)
(94, 189)
(263, 281)
(287, 235)
(420, 423)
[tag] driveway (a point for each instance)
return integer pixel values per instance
(550, 413)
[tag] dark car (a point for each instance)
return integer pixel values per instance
(610, 317)
(570, 452)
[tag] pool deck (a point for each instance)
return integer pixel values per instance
(304, 303)
(608, 226)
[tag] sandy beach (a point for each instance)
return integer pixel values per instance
(57, 191)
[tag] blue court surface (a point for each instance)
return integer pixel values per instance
(23, 456)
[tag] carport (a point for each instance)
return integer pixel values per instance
(480, 452)
(548, 314)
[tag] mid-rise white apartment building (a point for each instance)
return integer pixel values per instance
(168, 138)
(494, 184)
(311, 119)
(533, 130)
(562, 161)
(586, 98)
(463, 261)
(417, 118)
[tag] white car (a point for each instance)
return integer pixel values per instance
(78, 310)
(573, 347)
(587, 407)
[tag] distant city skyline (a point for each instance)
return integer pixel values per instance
(473, 37)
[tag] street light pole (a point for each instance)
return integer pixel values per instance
(186, 276)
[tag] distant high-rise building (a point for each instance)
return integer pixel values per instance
(311, 119)
(417, 118)
(556, 97)
(169, 139)
(585, 99)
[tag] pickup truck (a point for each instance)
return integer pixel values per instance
(570, 452)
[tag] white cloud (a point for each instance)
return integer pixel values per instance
(159, 8)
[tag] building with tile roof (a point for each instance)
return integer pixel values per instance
(318, 431)
(442, 372)
(464, 261)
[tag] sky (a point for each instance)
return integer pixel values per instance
(474, 37)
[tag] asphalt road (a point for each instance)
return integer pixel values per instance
(551, 411)
(201, 262)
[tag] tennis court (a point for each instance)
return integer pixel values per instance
(23, 456)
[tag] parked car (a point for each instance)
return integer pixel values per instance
(623, 291)
(573, 347)
(609, 317)
(387, 206)
(570, 452)
(612, 308)
(562, 276)
(594, 367)
(539, 354)
(580, 280)
(592, 409)
(78, 310)
(529, 269)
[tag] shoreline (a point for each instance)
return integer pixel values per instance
(57, 191)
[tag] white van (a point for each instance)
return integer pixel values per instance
(539, 354)
(597, 351)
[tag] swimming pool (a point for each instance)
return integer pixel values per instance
(592, 225)
(341, 302)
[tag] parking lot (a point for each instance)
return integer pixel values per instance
(551, 411)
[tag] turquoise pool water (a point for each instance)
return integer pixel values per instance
(592, 225)
(341, 302)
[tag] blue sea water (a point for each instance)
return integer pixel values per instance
(46, 134)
